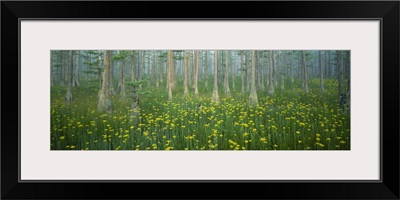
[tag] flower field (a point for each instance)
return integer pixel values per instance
(288, 120)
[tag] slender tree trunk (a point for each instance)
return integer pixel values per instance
(154, 66)
(253, 100)
(180, 66)
(259, 70)
(233, 67)
(329, 65)
(190, 68)
(185, 75)
(348, 83)
(60, 68)
(340, 74)
(271, 89)
(75, 79)
(119, 63)
(157, 70)
(321, 73)
(100, 79)
(161, 74)
(196, 73)
(305, 73)
(282, 64)
(292, 68)
(68, 96)
(132, 66)
(242, 69)
(105, 103)
(122, 79)
(274, 69)
(149, 69)
(325, 64)
(226, 76)
(215, 97)
(267, 63)
(173, 72)
(206, 68)
(248, 69)
(141, 68)
(63, 68)
(170, 69)
(167, 70)
(111, 85)
(262, 69)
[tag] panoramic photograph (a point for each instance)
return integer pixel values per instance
(216, 99)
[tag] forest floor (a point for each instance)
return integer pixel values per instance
(288, 120)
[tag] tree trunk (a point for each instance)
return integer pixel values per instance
(111, 77)
(190, 68)
(75, 80)
(248, 71)
(215, 97)
(340, 74)
(105, 104)
(173, 72)
(344, 96)
(262, 69)
(305, 73)
(282, 64)
(233, 67)
(206, 68)
(348, 83)
(132, 66)
(122, 79)
(157, 70)
(259, 70)
(321, 73)
(196, 73)
(60, 68)
(275, 80)
(271, 89)
(329, 65)
(141, 69)
(68, 97)
(65, 68)
(242, 69)
(99, 71)
(185, 74)
(253, 100)
(226, 76)
(170, 68)
(161, 73)
(149, 69)
(292, 68)
(325, 64)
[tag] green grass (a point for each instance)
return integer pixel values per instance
(289, 120)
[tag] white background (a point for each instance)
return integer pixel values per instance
(39, 37)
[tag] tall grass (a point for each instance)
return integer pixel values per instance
(288, 120)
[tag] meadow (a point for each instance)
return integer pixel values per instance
(288, 120)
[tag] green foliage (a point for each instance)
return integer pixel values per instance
(92, 59)
(289, 120)
(134, 87)
(121, 55)
(137, 83)
(144, 92)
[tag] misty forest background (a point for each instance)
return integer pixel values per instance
(200, 100)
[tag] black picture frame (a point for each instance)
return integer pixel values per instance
(386, 11)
